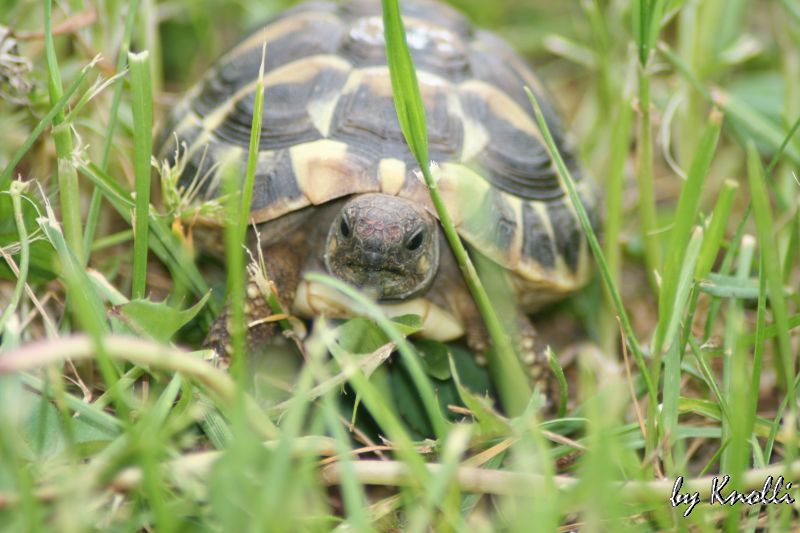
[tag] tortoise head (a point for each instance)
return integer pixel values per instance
(385, 245)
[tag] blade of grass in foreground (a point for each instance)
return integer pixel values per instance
(733, 460)
(671, 387)
(618, 154)
(66, 174)
(56, 110)
(410, 358)
(716, 228)
(279, 468)
(87, 309)
(646, 18)
(594, 244)
(504, 364)
(771, 263)
(684, 220)
(165, 243)
(94, 205)
(236, 228)
(142, 105)
(17, 188)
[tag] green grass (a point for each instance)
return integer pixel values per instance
(142, 106)
(236, 228)
(678, 359)
(503, 362)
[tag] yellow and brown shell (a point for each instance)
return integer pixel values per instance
(330, 130)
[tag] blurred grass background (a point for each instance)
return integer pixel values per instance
(141, 435)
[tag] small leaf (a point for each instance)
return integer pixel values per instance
(435, 358)
(563, 386)
(42, 431)
(408, 324)
(361, 335)
(489, 420)
(407, 402)
(158, 319)
(729, 287)
(473, 376)
(704, 408)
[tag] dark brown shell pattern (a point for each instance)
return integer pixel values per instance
(329, 130)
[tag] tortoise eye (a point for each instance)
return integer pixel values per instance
(344, 228)
(416, 241)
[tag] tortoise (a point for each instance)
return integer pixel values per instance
(337, 189)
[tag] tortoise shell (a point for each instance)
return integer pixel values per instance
(330, 130)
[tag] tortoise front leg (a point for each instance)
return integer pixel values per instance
(283, 262)
(531, 351)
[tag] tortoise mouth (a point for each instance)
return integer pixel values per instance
(380, 282)
(365, 267)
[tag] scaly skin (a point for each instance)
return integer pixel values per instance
(384, 245)
(284, 262)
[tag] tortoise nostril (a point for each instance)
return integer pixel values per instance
(373, 260)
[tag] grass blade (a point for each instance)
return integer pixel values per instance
(66, 174)
(772, 267)
(17, 188)
(405, 87)
(142, 105)
(84, 302)
(716, 228)
(94, 205)
(674, 353)
(646, 17)
(503, 363)
(165, 244)
(620, 146)
(55, 110)
(410, 357)
(645, 180)
(685, 217)
(236, 229)
(594, 244)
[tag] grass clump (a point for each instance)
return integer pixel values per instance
(677, 361)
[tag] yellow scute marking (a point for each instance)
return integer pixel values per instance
(325, 170)
(320, 168)
(475, 139)
(514, 252)
(463, 190)
(277, 30)
(300, 71)
(303, 70)
(392, 173)
(502, 105)
(380, 83)
(321, 113)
